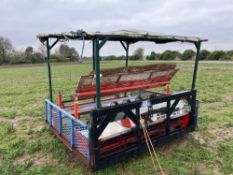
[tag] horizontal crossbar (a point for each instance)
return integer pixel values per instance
(82, 95)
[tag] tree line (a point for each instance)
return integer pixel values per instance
(64, 53)
(188, 54)
(9, 55)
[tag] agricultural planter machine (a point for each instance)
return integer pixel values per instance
(103, 121)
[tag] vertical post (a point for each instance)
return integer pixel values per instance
(97, 72)
(127, 55)
(59, 100)
(46, 111)
(168, 89)
(198, 46)
(59, 121)
(168, 117)
(71, 132)
(193, 117)
(49, 71)
(94, 141)
(126, 47)
(76, 109)
(138, 130)
(51, 115)
(93, 55)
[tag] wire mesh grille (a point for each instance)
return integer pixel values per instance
(70, 129)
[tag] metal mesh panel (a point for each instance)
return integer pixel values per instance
(65, 129)
(46, 112)
(63, 122)
(54, 119)
(81, 141)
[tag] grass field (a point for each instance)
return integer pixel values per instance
(27, 146)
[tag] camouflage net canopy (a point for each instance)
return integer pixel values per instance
(129, 36)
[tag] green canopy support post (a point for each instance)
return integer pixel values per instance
(49, 71)
(126, 47)
(48, 48)
(93, 55)
(97, 72)
(127, 55)
(198, 47)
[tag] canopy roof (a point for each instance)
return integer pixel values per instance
(130, 36)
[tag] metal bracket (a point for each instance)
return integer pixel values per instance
(198, 47)
(126, 47)
(55, 42)
(102, 42)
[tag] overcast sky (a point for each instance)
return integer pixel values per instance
(22, 20)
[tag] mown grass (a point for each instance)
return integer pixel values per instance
(27, 147)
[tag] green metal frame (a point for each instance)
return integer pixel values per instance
(198, 48)
(126, 47)
(97, 71)
(97, 45)
(48, 48)
(101, 117)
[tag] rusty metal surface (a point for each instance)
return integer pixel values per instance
(137, 69)
(128, 77)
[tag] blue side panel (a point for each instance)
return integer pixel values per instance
(46, 111)
(51, 116)
(72, 130)
(59, 121)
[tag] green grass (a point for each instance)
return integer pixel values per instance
(27, 146)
